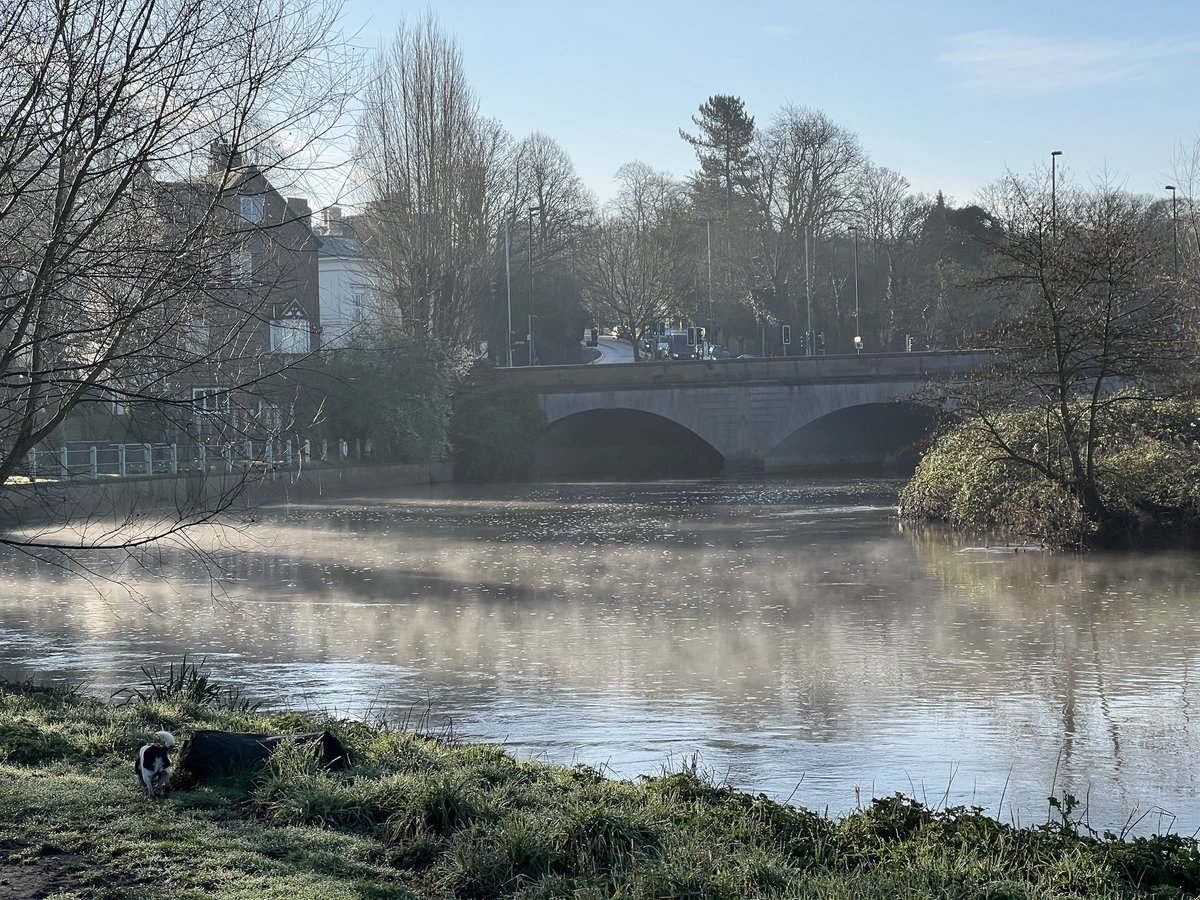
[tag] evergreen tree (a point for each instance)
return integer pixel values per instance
(722, 145)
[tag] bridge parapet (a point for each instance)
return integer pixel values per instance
(874, 367)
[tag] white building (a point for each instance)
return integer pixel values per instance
(345, 284)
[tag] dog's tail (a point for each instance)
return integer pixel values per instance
(167, 739)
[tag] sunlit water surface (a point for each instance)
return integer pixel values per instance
(795, 636)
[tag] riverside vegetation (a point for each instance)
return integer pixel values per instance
(420, 816)
(1010, 476)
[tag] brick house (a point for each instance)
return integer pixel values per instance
(258, 314)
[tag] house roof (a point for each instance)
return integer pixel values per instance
(340, 246)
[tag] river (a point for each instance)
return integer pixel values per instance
(792, 638)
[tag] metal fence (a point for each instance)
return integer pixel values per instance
(128, 460)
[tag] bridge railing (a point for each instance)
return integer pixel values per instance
(851, 367)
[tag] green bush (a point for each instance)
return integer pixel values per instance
(494, 433)
(1147, 464)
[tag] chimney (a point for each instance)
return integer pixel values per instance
(221, 156)
(331, 218)
(298, 209)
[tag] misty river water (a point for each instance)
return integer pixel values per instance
(794, 637)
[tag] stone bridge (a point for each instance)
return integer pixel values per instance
(703, 417)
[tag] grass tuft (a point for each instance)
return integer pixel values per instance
(186, 683)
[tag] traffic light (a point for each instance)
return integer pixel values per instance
(787, 334)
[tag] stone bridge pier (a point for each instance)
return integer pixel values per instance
(779, 414)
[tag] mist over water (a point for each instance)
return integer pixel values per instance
(795, 635)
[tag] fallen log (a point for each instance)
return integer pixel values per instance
(212, 752)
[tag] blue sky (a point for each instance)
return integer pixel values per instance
(950, 94)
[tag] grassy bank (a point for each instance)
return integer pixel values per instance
(418, 817)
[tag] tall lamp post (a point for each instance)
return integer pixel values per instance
(809, 339)
(858, 343)
(708, 233)
(529, 334)
(1054, 154)
(1174, 229)
(508, 282)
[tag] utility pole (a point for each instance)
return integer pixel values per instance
(508, 282)
(1054, 154)
(529, 335)
(808, 333)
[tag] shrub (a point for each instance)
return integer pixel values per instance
(1147, 472)
(495, 433)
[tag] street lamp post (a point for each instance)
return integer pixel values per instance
(508, 283)
(858, 345)
(1174, 229)
(809, 349)
(529, 334)
(1054, 154)
(708, 233)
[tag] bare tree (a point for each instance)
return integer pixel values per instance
(634, 259)
(546, 186)
(1185, 208)
(546, 179)
(113, 220)
(433, 168)
(807, 169)
(891, 219)
(1094, 319)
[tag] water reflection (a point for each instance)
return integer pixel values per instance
(790, 633)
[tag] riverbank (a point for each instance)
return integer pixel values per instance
(421, 816)
(192, 494)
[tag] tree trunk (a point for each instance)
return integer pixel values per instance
(213, 752)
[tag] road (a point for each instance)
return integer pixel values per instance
(613, 351)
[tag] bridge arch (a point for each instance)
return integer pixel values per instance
(880, 435)
(623, 443)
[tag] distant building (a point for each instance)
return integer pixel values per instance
(348, 313)
(259, 311)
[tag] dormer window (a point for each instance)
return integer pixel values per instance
(253, 209)
(291, 330)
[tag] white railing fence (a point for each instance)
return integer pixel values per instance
(127, 460)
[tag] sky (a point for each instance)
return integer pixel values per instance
(949, 94)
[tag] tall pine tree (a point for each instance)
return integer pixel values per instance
(722, 145)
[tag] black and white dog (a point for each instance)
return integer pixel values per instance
(153, 764)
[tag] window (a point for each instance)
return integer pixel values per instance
(290, 333)
(210, 401)
(241, 266)
(196, 338)
(253, 208)
(358, 304)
